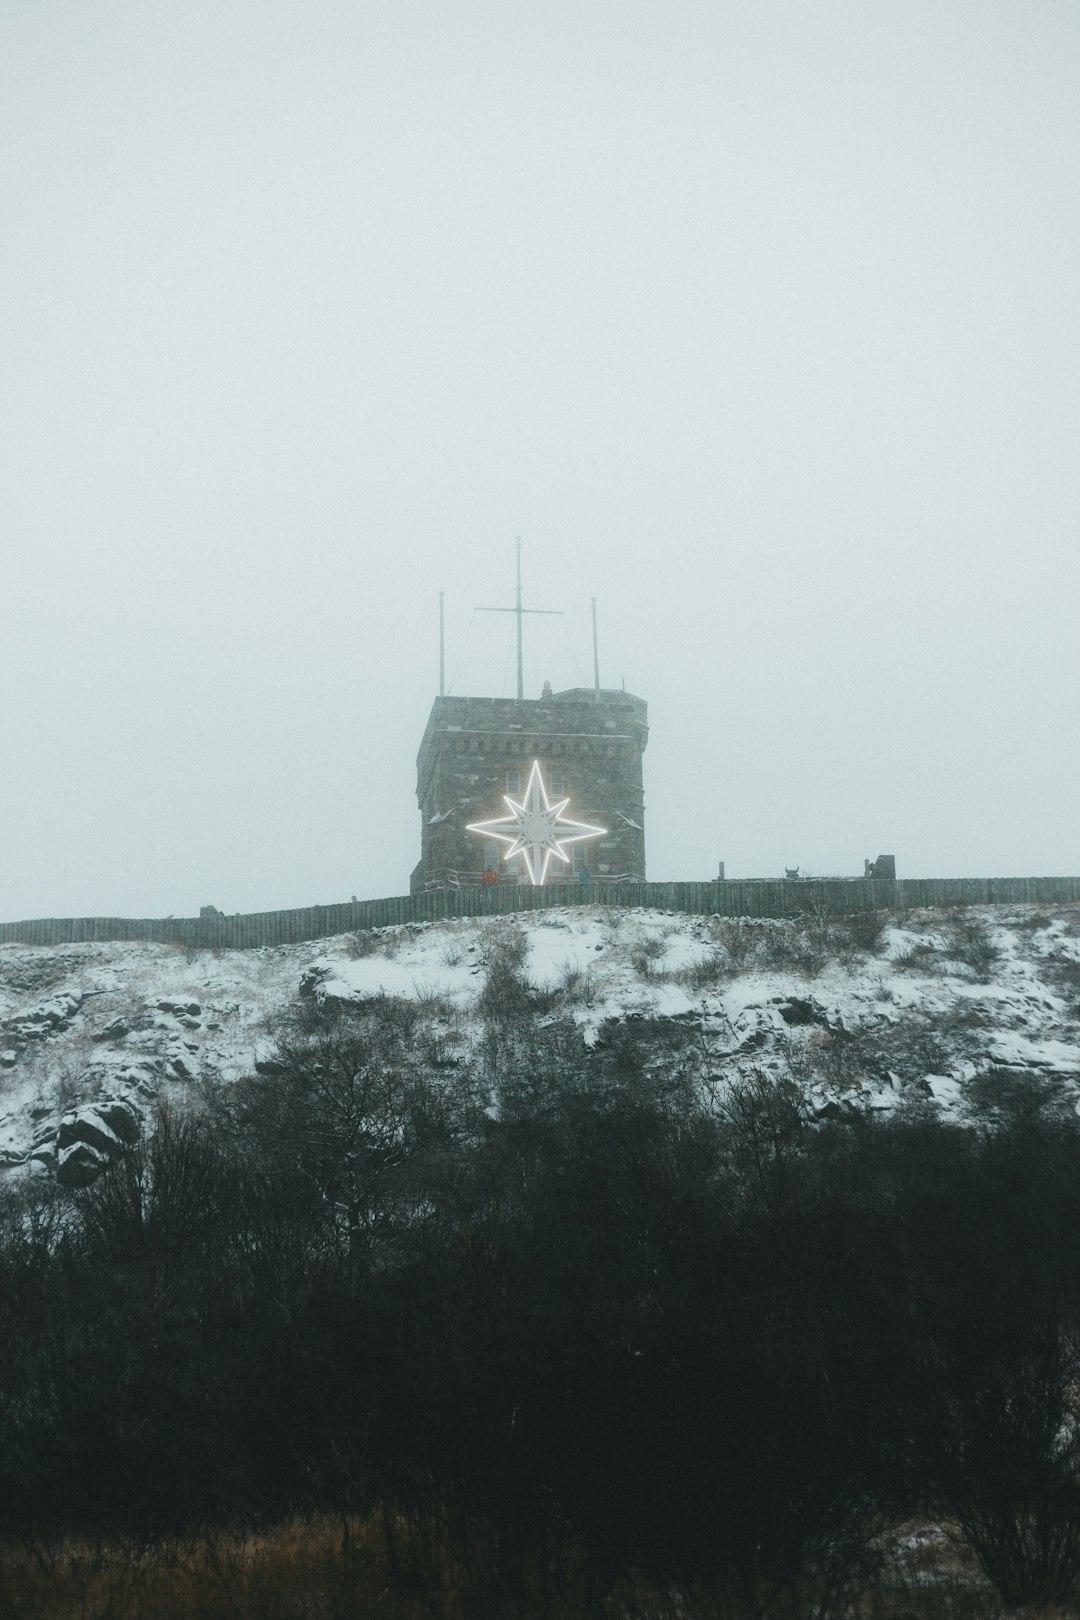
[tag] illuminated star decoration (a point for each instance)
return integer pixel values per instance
(536, 828)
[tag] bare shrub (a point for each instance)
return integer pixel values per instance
(864, 930)
(1008, 1098)
(645, 954)
(802, 944)
(506, 992)
(399, 1013)
(1030, 922)
(431, 1002)
(766, 1118)
(741, 940)
(575, 985)
(710, 970)
(921, 956)
(1062, 972)
(1012, 1470)
(968, 941)
(914, 1046)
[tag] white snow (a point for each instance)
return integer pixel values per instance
(594, 964)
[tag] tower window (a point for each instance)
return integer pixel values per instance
(558, 781)
(513, 781)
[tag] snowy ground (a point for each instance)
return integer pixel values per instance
(946, 1010)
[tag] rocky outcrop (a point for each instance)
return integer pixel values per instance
(114, 1031)
(46, 1019)
(90, 1137)
(79, 1165)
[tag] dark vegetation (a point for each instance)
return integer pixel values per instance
(554, 1336)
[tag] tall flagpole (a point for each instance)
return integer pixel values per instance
(442, 649)
(520, 664)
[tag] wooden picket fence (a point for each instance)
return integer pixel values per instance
(735, 897)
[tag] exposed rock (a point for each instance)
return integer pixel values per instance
(79, 1165)
(796, 1011)
(182, 1004)
(88, 1126)
(133, 1074)
(114, 1031)
(122, 1118)
(48, 1018)
(313, 976)
(8, 1058)
(87, 1139)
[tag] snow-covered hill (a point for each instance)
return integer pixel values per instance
(966, 1011)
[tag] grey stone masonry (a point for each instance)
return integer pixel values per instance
(474, 750)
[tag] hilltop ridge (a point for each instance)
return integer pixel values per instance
(963, 1012)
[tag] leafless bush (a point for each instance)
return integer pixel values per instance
(1062, 972)
(1012, 1471)
(399, 1013)
(968, 941)
(711, 969)
(645, 953)
(1007, 1098)
(741, 940)
(766, 1117)
(1030, 922)
(431, 1002)
(506, 993)
(921, 956)
(865, 930)
(801, 944)
(575, 985)
(916, 1045)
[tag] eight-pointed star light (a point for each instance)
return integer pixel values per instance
(536, 828)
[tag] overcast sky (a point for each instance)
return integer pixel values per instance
(758, 320)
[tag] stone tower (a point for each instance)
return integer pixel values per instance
(589, 745)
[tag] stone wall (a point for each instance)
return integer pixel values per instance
(749, 897)
(589, 746)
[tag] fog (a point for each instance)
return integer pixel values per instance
(756, 321)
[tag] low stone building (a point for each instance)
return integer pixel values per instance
(589, 745)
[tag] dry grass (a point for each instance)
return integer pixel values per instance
(305, 1570)
(371, 1569)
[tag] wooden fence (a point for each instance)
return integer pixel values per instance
(735, 897)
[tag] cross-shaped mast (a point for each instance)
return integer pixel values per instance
(519, 610)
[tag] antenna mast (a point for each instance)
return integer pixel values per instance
(595, 654)
(442, 649)
(517, 610)
(520, 611)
